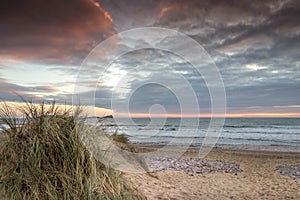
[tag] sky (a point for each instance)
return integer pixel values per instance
(254, 44)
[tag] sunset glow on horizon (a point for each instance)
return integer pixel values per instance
(208, 115)
(91, 111)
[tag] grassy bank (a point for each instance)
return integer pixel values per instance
(44, 158)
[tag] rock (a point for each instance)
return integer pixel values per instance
(292, 171)
(192, 165)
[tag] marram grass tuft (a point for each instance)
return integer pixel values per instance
(44, 158)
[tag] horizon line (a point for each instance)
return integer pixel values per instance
(101, 112)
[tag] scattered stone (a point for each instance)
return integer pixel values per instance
(292, 171)
(191, 165)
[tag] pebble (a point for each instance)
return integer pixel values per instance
(292, 171)
(192, 166)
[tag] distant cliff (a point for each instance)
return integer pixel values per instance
(107, 116)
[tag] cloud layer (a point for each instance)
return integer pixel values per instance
(56, 31)
(255, 44)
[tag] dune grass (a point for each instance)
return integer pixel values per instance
(120, 138)
(44, 158)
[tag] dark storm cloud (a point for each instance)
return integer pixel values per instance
(219, 23)
(52, 31)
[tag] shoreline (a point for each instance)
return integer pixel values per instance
(225, 147)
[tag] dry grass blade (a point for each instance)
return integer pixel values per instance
(44, 158)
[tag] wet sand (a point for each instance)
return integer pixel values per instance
(259, 179)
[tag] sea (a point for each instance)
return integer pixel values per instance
(267, 134)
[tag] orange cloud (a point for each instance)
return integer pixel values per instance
(172, 7)
(57, 32)
(106, 14)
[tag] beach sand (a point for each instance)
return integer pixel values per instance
(259, 180)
